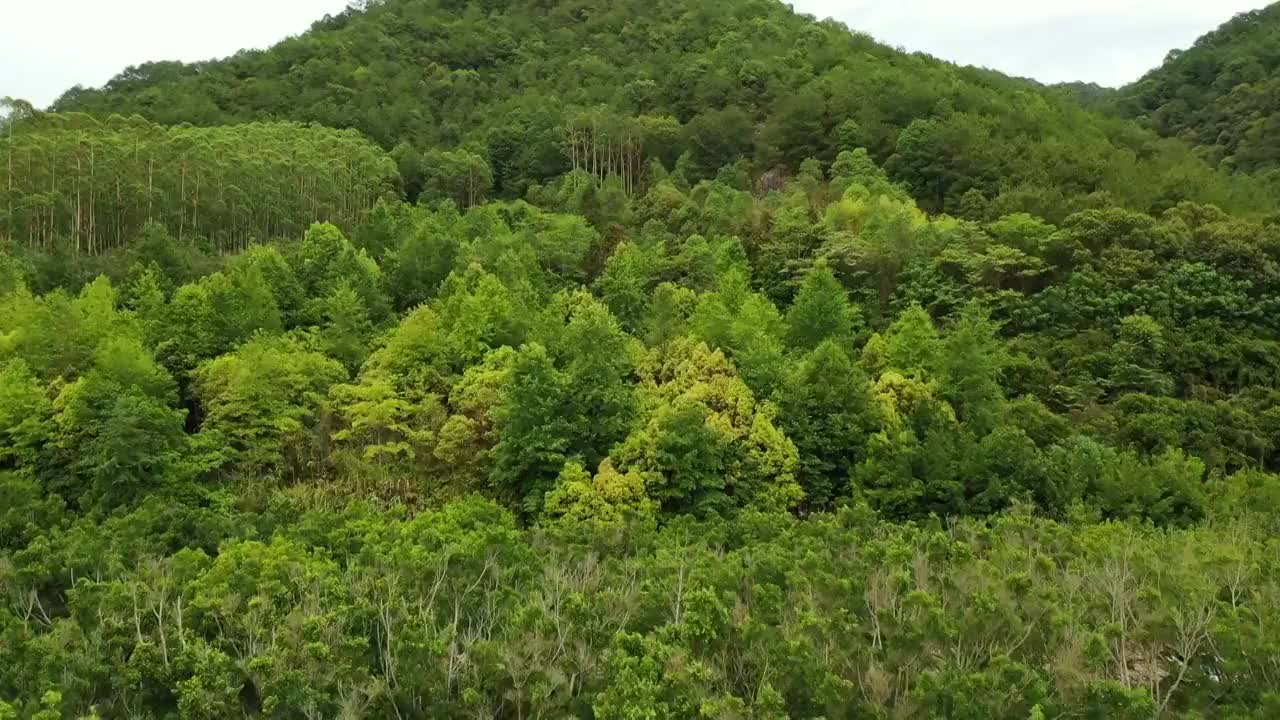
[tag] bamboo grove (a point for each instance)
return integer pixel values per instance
(90, 184)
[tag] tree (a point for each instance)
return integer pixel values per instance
(107, 182)
(828, 413)
(415, 356)
(262, 402)
(627, 283)
(705, 445)
(460, 175)
(422, 260)
(970, 367)
(215, 315)
(14, 111)
(820, 313)
(669, 314)
(1006, 466)
(325, 260)
(609, 497)
(716, 138)
(855, 172)
(941, 158)
(535, 434)
(479, 313)
(267, 262)
(381, 424)
(876, 236)
(466, 442)
(595, 357)
(58, 334)
(563, 244)
(153, 244)
(118, 427)
(912, 344)
(1137, 358)
(911, 467)
(26, 416)
(747, 327)
(346, 331)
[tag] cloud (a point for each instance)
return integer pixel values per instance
(1111, 42)
(49, 45)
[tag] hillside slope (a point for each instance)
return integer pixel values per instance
(537, 88)
(1222, 94)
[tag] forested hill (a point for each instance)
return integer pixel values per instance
(534, 88)
(1222, 94)
(623, 360)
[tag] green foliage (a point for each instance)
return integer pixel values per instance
(573, 402)
(98, 183)
(262, 401)
(912, 345)
(705, 444)
(821, 313)
(459, 175)
(57, 334)
(536, 434)
(1012, 617)
(1217, 93)
(969, 369)
(746, 326)
(828, 412)
(422, 257)
(609, 497)
(628, 281)
(212, 316)
(117, 426)
(326, 261)
(26, 415)
(346, 329)
(791, 376)
(500, 97)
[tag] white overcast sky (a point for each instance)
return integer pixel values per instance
(46, 46)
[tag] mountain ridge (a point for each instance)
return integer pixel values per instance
(749, 81)
(1222, 94)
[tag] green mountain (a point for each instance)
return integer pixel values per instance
(538, 88)
(1222, 94)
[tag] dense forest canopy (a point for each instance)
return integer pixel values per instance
(629, 361)
(694, 85)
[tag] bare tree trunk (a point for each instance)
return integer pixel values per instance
(182, 201)
(93, 199)
(77, 222)
(195, 205)
(13, 120)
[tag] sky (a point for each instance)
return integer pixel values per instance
(1110, 42)
(47, 46)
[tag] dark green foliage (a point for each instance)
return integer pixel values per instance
(828, 411)
(118, 429)
(821, 313)
(535, 429)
